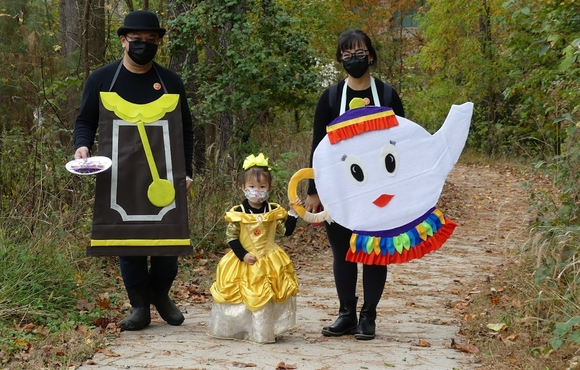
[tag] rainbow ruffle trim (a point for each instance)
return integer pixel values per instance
(428, 236)
(379, 119)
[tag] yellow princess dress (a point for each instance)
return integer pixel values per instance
(254, 302)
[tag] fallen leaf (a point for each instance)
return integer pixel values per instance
(83, 329)
(283, 366)
(243, 364)
(41, 330)
(101, 322)
(107, 352)
(22, 343)
(316, 339)
(112, 328)
(497, 327)
(103, 301)
(510, 338)
(469, 348)
(27, 328)
(528, 320)
(462, 305)
(84, 305)
(423, 343)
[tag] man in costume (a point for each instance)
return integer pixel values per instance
(144, 124)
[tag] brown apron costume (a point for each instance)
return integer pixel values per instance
(140, 203)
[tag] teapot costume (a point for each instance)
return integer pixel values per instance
(381, 175)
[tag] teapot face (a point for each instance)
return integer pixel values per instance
(375, 177)
(379, 180)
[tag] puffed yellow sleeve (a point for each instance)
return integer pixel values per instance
(281, 226)
(232, 231)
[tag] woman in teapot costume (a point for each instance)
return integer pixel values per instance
(379, 177)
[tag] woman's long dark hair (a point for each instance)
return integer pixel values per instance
(350, 39)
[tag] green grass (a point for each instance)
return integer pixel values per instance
(43, 279)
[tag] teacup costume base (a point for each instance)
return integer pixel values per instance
(254, 302)
(140, 203)
(425, 235)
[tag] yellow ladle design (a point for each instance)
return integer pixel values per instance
(161, 192)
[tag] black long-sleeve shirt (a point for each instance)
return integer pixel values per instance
(235, 244)
(135, 88)
(325, 112)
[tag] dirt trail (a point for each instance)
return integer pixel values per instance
(417, 318)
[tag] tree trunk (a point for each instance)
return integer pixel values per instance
(227, 121)
(130, 5)
(70, 36)
(70, 41)
(486, 41)
(96, 32)
(177, 63)
(83, 36)
(83, 29)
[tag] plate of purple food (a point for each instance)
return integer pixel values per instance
(90, 166)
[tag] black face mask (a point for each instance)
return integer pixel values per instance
(355, 67)
(142, 52)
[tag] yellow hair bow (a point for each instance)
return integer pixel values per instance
(252, 161)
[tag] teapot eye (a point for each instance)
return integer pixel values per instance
(390, 158)
(355, 169)
(357, 172)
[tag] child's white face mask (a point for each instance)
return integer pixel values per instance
(256, 196)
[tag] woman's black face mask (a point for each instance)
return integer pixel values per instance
(356, 67)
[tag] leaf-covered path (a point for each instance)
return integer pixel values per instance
(418, 319)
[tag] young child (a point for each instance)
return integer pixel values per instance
(255, 289)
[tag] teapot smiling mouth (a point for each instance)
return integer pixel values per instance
(383, 200)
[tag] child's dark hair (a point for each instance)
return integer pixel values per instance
(350, 39)
(258, 172)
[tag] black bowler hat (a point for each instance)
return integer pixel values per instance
(141, 20)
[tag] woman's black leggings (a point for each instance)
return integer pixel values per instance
(346, 273)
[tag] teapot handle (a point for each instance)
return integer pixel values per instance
(304, 174)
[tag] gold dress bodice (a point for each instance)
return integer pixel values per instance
(257, 232)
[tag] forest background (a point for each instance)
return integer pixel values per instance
(253, 71)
